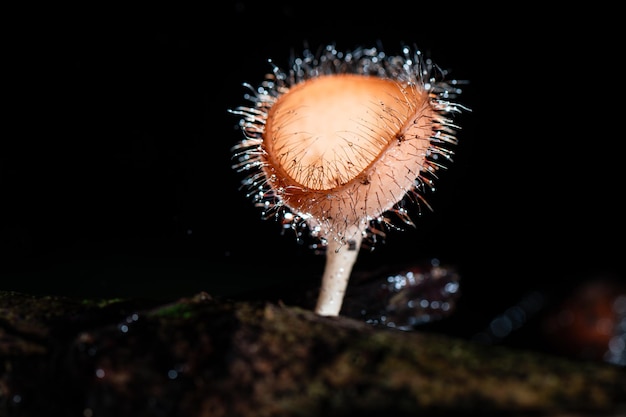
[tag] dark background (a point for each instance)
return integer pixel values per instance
(116, 178)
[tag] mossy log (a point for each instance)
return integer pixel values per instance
(205, 356)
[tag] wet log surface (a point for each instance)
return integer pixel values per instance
(205, 356)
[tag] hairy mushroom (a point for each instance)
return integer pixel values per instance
(341, 139)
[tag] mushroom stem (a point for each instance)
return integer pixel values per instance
(341, 254)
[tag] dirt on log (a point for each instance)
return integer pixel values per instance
(205, 356)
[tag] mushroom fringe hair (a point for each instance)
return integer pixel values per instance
(410, 69)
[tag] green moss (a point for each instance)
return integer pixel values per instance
(174, 311)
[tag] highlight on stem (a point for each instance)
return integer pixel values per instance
(338, 144)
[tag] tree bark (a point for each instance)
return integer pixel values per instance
(205, 356)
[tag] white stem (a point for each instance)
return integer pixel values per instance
(340, 258)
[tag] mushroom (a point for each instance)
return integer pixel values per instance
(339, 141)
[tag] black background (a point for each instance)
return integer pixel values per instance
(116, 174)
